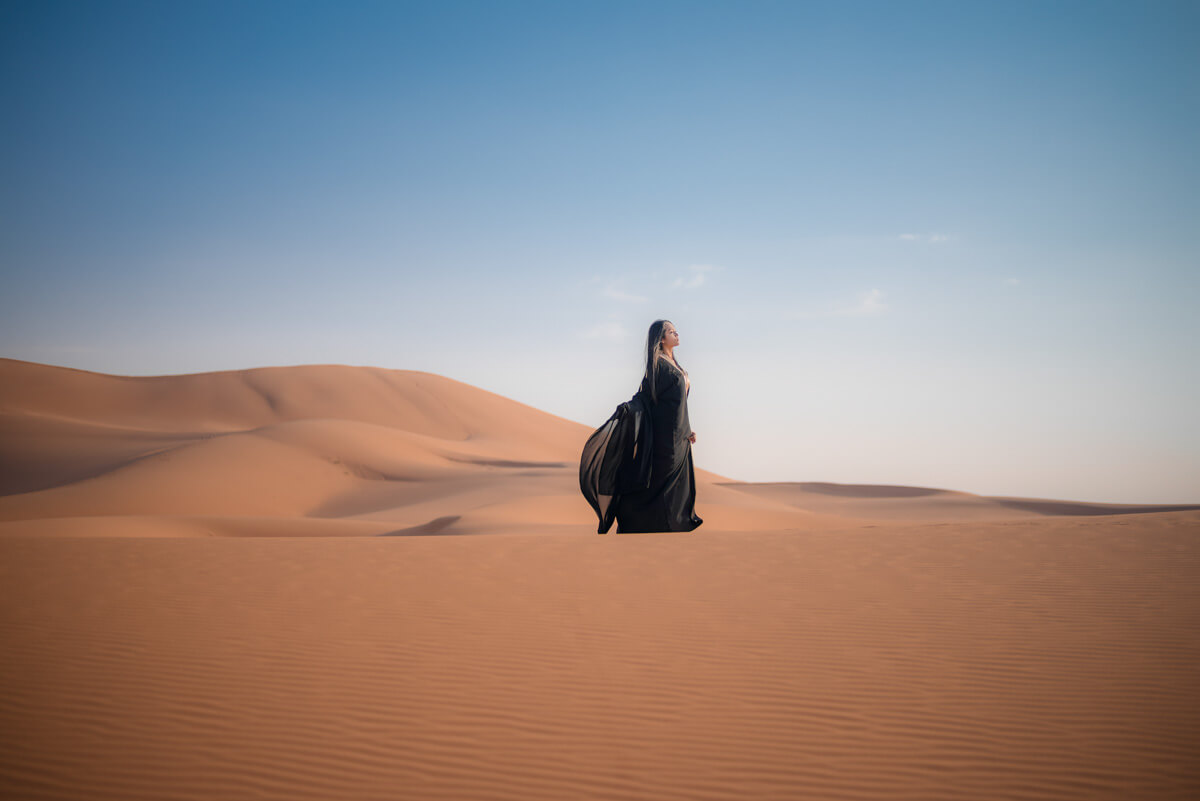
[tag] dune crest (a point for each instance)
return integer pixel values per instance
(337, 450)
(374, 449)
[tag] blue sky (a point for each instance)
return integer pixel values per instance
(943, 244)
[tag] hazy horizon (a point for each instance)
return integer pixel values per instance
(926, 244)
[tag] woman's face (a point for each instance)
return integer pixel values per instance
(670, 336)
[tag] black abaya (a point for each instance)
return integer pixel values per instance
(669, 503)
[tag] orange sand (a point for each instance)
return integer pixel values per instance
(196, 602)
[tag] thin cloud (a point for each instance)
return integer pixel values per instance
(608, 331)
(870, 304)
(697, 276)
(611, 291)
(932, 239)
(1012, 281)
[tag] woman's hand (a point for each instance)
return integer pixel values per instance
(692, 437)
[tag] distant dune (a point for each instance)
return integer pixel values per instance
(269, 584)
(332, 450)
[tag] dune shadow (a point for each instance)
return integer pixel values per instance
(866, 490)
(433, 527)
(20, 479)
(1080, 508)
(370, 473)
(506, 462)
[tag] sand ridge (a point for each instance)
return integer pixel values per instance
(398, 448)
(366, 450)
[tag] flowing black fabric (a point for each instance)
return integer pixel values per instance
(616, 459)
(669, 501)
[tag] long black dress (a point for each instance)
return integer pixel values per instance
(669, 503)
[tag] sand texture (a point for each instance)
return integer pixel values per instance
(334, 582)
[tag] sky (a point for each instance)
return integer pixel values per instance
(951, 245)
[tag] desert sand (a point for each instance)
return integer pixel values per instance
(336, 582)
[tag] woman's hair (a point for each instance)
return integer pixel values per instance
(654, 338)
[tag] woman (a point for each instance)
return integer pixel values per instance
(669, 503)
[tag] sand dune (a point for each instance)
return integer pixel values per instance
(908, 504)
(397, 449)
(272, 584)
